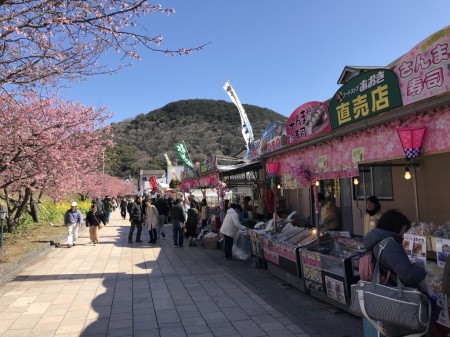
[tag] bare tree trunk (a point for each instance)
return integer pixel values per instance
(34, 209)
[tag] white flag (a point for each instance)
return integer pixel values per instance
(246, 128)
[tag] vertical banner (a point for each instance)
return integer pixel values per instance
(183, 154)
(246, 128)
(171, 168)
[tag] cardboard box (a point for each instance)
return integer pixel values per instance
(210, 242)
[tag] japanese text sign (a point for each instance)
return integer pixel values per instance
(308, 121)
(273, 137)
(423, 72)
(365, 95)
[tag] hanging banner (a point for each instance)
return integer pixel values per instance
(246, 128)
(184, 155)
(308, 121)
(423, 72)
(273, 137)
(170, 166)
(364, 96)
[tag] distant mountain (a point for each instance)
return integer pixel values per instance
(206, 126)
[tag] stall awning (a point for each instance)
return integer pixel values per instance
(339, 157)
(208, 179)
(243, 174)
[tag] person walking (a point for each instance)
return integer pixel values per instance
(72, 219)
(108, 208)
(163, 211)
(191, 226)
(136, 219)
(178, 219)
(93, 219)
(204, 213)
(123, 208)
(152, 220)
(230, 227)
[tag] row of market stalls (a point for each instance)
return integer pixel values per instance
(383, 126)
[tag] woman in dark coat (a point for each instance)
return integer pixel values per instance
(93, 218)
(393, 224)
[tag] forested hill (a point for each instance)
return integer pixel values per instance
(206, 126)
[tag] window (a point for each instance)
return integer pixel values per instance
(377, 181)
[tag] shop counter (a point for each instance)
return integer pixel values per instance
(329, 269)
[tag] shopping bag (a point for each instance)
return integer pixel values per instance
(400, 307)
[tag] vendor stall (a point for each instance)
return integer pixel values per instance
(329, 269)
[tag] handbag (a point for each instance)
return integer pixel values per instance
(399, 307)
(100, 224)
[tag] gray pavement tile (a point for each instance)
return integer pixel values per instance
(214, 315)
(235, 314)
(295, 329)
(224, 301)
(146, 333)
(272, 326)
(194, 329)
(99, 326)
(263, 319)
(281, 333)
(202, 335)
(255, 311)
(145, 325)
(167, 316)
(190, 314)
(120, 332)
(223, 330)
(248, 328)
(172, 332)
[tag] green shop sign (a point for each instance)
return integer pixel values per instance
(365, 95)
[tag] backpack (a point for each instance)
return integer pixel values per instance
(366, 265)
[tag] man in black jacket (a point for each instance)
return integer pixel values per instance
(178, 219)
(163, 211)
(136, 219)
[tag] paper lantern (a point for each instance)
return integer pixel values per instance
(272, 169)
(411, 139)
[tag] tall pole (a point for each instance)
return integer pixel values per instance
(416, 200)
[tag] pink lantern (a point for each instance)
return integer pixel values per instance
(272, 169)
(411, 139)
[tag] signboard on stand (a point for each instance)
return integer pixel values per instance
(416, 248)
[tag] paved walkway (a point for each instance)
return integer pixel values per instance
(121, 289)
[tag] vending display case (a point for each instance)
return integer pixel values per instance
(330, 268)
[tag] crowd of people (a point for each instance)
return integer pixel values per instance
(187, 216)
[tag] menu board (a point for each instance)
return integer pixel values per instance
(312, 272)
(335, 289)
(416, 248)
(442, 251)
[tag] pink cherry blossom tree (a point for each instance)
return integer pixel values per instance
(44, 41)
(48, 146)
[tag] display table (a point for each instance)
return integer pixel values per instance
(330, 268)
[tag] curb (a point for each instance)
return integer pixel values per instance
(10, 270)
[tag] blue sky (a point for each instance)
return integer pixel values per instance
(276, 54)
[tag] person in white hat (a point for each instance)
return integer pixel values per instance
(72, 219)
